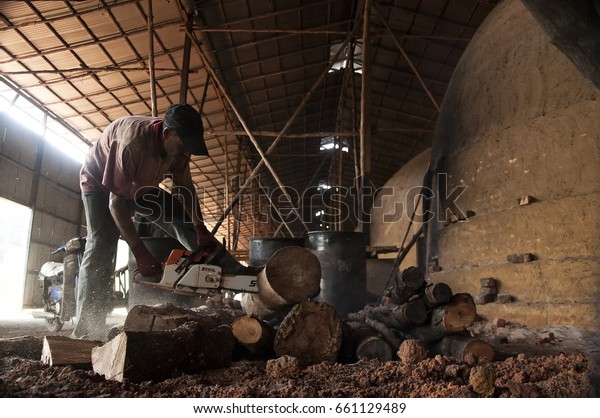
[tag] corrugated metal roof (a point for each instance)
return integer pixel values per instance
(88, 63)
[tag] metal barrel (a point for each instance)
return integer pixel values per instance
(140, 294)
(260, 249)
(343, 269)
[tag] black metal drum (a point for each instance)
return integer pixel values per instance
(260, 249)
(343, 269)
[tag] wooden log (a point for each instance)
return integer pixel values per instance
(168, 317)
(311, 332)
(410, 313)
(406, 284)
(353, 332)
(26, 347)
(253, 305)
(437, 294)
(400, 316)
(253, 333)
(359, 340)
(290, 276)
(386, 332)
(458, 346)
(374, 348)
(65, 351)
(458, 314)
(451, 318)
(157, 355)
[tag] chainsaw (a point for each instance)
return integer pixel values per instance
(196, 273)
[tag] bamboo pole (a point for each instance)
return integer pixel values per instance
(260, 186)
(263, 160)
(263, 155)
(286, 31)
(275, 134)
(407, 58)
(185, 66)
(88, 70)
(365, 120)
(151, 59)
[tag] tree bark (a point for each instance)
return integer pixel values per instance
(311, 332)
(374, 347)
(290, 276)
(458, 314)
(458, 346)
(157, 355)
(406, 284)
(168, 317)
(451, 318)
(437, 294)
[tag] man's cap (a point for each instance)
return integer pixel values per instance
(186, 121)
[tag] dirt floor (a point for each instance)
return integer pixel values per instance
(526, 366)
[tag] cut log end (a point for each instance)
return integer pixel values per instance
(311, 332)
(247, 330)
(459, 313)
(294, 273)
(463, 347)
(437, 294)
(374, 347)
(254, 334)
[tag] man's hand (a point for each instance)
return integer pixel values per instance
(147, 265)
(203, 236)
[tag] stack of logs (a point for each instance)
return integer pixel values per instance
(163, 341)
(414, 312)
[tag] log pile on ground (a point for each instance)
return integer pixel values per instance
(414, 321)
(412, 310)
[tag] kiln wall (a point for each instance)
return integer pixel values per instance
(518, 119)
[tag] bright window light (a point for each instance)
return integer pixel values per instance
(31, 117)
(345, 57)
(330, 142)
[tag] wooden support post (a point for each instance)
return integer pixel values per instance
(365, 124)
(263, 155)
(407, 58)
(185, 65)
(151, 59)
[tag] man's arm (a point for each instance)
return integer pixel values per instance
(147, 264)
(185, 192)
(122, 217)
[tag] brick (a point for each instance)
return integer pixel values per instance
(488, 290)
(520, 258)
(483, 299)
(488, 281)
